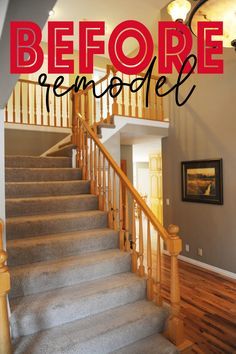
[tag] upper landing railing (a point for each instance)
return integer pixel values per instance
(27, 102)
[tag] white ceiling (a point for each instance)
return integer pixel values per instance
(112, 12)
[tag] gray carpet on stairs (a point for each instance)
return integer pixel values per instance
(72, 288)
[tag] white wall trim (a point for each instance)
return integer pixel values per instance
(222, 272)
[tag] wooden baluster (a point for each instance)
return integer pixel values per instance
(14, 105)
(123, 98)
(143, 100)
(158, 298)
(61, 109)
(83, 153)
(28, 103)
(127, 241)
(114, 202)
(94, 110)
(161, 109)
(86, 155)
(100, 192)
(134, 252)
(121, 233)
(149, 263)
(42, 123)
(92, 187)
(95, 168)
(48, 114)
(175, 324)
(90, 159)
(136, 99)
(67, 112)
(86, 108)
(35, 104)
(115, 106)
(130, 99)
(5, 338)
(110, 214)
(101, 105)
(75, 110)
(155, 108)
(141, 269)
(21, 103)
(55, 111)
(104, 183)
(108, 105)
(6, 113)
(79, 152)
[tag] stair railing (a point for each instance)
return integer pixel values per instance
(27, 106)
(139, 229)
(100, 110)
(5, 339)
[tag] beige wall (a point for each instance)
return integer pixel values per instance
(203, 129)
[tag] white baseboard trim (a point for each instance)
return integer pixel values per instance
(222, 272)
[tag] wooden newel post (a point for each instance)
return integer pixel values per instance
(75, 110)
(175, 325)
(5, 338)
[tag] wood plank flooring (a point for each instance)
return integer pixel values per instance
(208, 306)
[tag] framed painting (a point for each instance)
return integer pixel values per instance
(202, 181)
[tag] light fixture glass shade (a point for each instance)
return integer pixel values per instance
(178, 9)
(217, 10)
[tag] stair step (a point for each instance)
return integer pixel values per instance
(21, 227)
(52, 247)
(44, 276)
(37, 162)
(37, 189)
(42, 174)
(98, 334)
(33, 313)
(155, 344)
(45, 205)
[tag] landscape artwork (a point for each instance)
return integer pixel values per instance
(202, 181)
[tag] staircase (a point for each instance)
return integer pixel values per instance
(72, 290)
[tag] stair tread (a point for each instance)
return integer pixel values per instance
(47, 182)
(44, 169)
(23, 306)
(44, 239)
(32, 218)
(49, 198)
(57, 197)
(155, 344)
(38, 277)
(34, 157)
(82, 260)
(76, 337)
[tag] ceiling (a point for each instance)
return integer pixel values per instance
(112, 12)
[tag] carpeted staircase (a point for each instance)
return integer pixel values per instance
(72, 289)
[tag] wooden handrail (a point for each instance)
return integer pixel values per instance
(5, 339)
(26, 81)
(145, 208)
(105, 175)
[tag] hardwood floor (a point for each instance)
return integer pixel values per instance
(208, 306)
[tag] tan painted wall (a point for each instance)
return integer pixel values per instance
(203, 129)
